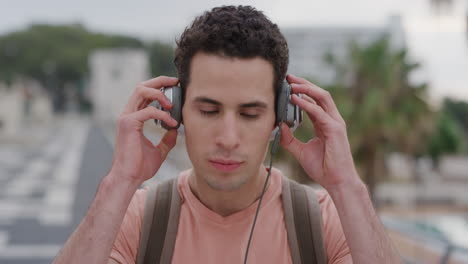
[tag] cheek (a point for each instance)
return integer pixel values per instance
(257, 138)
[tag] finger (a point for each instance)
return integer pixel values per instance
(295, 79)
(317, 115)
(150, 94)
(289, 142)
(319, 95)
(318, 132)
(151, 112)
(328, 102)
(143, 96)
(161, 81)
(167, 143)
(308, 99)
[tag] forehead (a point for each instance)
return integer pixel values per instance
(227, 78)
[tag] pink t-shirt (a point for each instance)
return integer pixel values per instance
(205, 237)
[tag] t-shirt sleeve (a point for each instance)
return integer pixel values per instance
(126, 244)
(335, 242)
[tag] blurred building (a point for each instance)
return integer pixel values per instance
(23, 104)
(10, 111)
(454, 168)
(114, 75)
(308, 46)
(417, 182)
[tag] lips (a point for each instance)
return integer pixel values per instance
(225, 165)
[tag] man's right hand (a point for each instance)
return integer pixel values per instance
(136, 158)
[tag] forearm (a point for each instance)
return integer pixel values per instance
(92, 241)
(364, 232)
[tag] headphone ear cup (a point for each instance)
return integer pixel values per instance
(176, 110)
(282, 102)
(174, 94)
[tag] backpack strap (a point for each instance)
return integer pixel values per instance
(303, 223)
(160, 223)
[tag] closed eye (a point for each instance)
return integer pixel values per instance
(214, 112)
(208, 113)
(249, 116)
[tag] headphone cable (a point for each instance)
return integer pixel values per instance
(274, 147)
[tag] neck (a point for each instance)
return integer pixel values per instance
(226, 203)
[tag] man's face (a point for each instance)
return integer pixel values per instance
(228, 117)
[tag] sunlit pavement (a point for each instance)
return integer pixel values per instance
(46, 190)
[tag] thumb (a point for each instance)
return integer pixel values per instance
(167, 142)
(289, 142)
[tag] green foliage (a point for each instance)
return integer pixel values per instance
(450, 135)
(447, 138)
(458, 110)
(161, 57)
(57, 55)
(383, 110)
(46, 52)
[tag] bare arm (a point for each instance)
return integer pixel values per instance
(92, 241)
(364, 232)
(327, 159)
(136, 159)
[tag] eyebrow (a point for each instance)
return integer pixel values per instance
(203, 99)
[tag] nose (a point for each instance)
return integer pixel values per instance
(228, 137)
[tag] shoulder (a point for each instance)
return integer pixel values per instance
(125, 246)
(134, 215)
(334, 239)
(333, 235)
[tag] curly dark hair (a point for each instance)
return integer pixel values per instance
(233, 31)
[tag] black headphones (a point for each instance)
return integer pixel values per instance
(286, 111)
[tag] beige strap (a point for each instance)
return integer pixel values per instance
(172, 226)
(146, 223)
(317, 226)
(289, 221)
(160, 223)
(303, 223)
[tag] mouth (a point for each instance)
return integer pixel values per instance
(225, 165)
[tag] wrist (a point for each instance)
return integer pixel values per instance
(354, 187)
(115, 180)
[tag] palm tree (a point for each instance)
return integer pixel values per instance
(383, 110)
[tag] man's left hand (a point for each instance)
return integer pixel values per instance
(327, 158)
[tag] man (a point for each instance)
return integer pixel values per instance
(230, 62)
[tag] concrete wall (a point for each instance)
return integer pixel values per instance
(11, 112)
(23, 102)
(453, 167)
(114, 75)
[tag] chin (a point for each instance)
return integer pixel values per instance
(222, 182)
